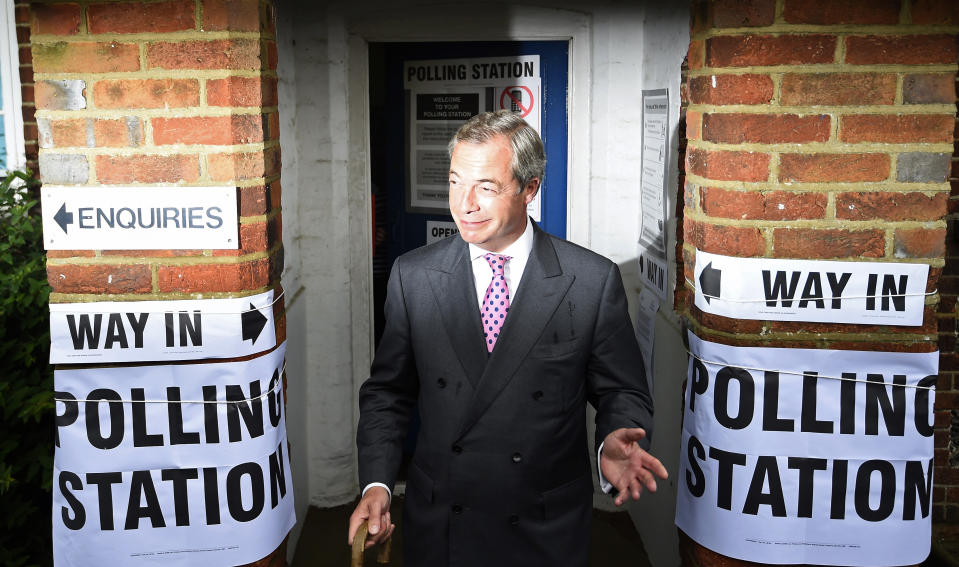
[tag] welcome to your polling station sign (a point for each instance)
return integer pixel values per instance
(808, 456)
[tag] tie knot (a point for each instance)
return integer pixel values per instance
(497, 262)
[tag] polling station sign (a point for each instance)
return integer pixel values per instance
(139, 218)
(868, 293)
(140, 331)
(808, 456)
(445, 93)
(171, 465)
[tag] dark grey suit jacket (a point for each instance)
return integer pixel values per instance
(501, 472)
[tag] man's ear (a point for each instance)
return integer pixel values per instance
(530, 190)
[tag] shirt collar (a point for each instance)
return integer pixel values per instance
(520, 248)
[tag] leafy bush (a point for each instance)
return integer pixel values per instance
(26, 379)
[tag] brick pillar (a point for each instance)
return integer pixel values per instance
(945, 496)
(30, 135)
(822, 130)
(178, 92)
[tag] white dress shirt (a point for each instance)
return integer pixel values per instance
(518, 253)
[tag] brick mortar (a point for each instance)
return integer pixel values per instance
(164, 150)
(767, 337)
(843, 224)
(827, 188)
(151, 37)
(835, 111)
(157, 296)
(691, 250)
(831, 147)
(826, 68)
(157, 73)
(203, 260)
(184, 112)
(840, 31)
(890, 186)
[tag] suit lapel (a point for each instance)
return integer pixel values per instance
(543, 287)
(451, 281)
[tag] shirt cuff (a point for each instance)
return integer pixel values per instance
(604, 484)
(387, 488)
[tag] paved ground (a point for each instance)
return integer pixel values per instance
(615, 542)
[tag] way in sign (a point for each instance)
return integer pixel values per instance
(781, 286)
(87, 335)
(828, 291)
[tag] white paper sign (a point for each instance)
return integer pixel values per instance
(140, 331)
(159, 478)
(445, 93)
(139, 218)
(830, 466)
(646, 330)
(870, 293)
(655, 158)
(438, 230)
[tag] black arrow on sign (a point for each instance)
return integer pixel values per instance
(253, 322)
(63, 218)
(710, 281)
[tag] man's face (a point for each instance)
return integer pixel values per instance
(485, 200)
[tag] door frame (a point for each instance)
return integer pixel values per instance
(453, 22)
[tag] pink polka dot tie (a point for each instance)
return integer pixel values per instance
(496, 302)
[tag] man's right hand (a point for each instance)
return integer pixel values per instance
(375, 508)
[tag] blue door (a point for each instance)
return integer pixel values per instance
(400, 227)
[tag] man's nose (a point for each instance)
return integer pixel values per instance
(467, 201)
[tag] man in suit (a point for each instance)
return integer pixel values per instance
(501, 335)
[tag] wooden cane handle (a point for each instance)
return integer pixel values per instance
(359, 543)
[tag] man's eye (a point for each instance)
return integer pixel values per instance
(488, 189)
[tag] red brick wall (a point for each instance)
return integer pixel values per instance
(178, 92)
(843, 115)
(946, 491)
(22, 18)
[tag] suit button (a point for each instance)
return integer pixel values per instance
(513, 520)
(537, 395)
(441, 382)
(517, 458)
(457, 449)
(457, 509)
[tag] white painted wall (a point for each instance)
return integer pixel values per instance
(617, 49)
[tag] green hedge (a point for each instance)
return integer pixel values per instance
(26, 378)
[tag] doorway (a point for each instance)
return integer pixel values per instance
(420, 93)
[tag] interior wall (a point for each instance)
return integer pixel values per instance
(618, 51)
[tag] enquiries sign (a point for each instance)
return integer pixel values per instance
(139, 218)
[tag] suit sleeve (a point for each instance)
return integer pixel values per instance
(616, 376)
(387, 398)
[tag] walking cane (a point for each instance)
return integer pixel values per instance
(359, 541)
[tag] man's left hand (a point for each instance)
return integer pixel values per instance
(627, 467)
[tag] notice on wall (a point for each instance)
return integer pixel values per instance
(141, 331)
(171, 465)
(139, 218)
(645, 329)
(653, 186)
(445, 93)
(806, 455)
(869, 293)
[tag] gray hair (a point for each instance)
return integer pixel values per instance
(529, 158)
